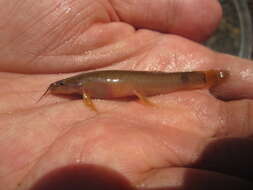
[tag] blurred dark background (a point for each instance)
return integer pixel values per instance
(230, 37)
(250, 3)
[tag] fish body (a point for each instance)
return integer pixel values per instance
(109, 84)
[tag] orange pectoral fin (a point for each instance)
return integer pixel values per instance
(88, 101)
(143, 99)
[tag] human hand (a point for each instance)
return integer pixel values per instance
(180, 144)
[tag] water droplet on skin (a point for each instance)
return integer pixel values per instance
(68, 10)
(246, 74)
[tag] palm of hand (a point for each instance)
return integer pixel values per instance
(144, 144)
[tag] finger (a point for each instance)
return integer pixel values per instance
(45, 29)
(116, 42)
(70, 46)
(195, 19)
(238, 86)
(221, 155)
(188, 178)
(82, 176)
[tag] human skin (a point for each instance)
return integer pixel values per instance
(189, 140)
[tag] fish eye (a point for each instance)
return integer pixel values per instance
(61, 83)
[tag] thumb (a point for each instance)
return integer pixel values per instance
(194, 19)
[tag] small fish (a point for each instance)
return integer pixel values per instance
(110, 84)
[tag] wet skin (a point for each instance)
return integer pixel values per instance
(189, 139)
